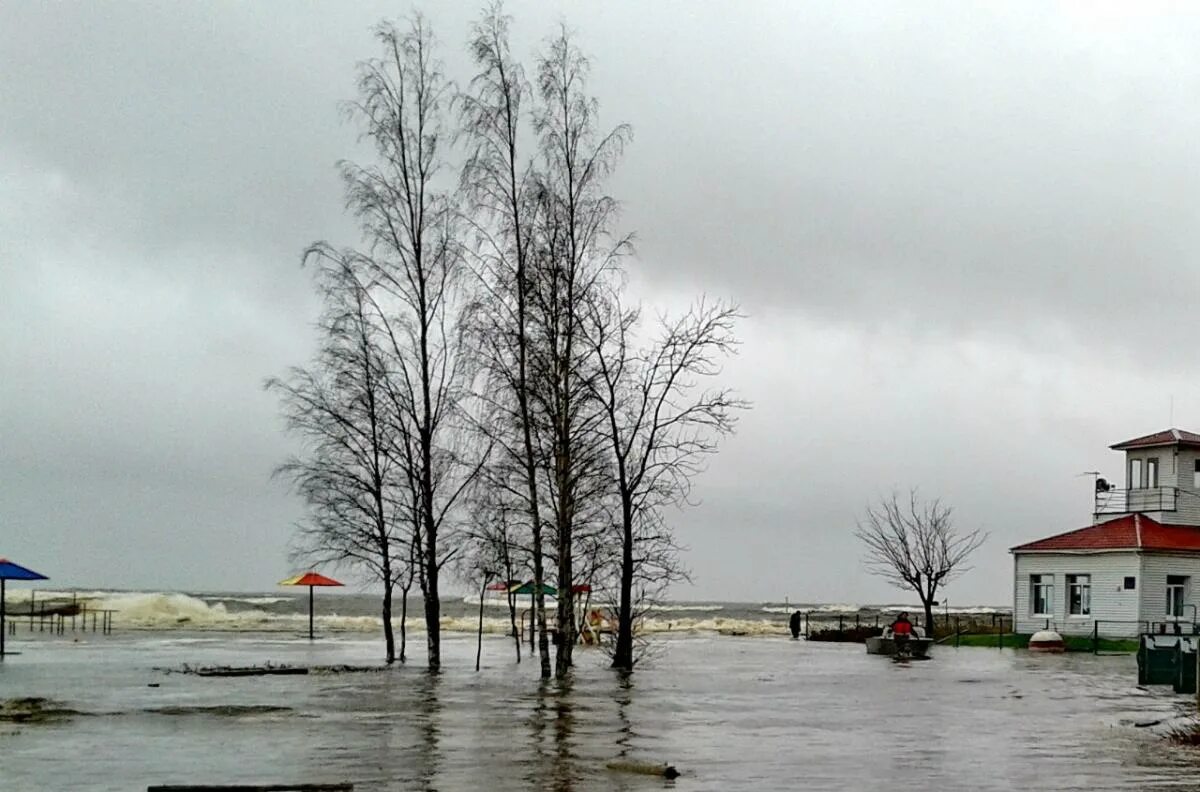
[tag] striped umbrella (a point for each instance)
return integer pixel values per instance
(310, 579)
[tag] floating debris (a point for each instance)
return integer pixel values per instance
(349, 669)
(34, 710)
(644, 768)
(269, 669)
(225, 710)
(235, 671)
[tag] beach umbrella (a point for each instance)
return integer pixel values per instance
(310, 579)
(527, 588)
(11, 571)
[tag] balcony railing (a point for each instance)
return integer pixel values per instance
(1146, 499)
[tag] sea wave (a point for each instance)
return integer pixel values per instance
(834, 608)
(247, 600)
(174, 611)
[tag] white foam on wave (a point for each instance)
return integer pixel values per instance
(835, 608)
(248, 600)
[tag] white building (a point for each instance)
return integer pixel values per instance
(1137, 566)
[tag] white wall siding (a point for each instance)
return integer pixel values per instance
(1155, 568)
(1115, 608)
(1187, 501)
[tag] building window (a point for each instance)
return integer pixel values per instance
(1041, 595)
(1079, 595)
(1176, 591)
(1130, 583)
(1135, 474)
(1151, 473)
(1196, 476)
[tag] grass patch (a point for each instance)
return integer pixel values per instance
(1185, 734)
(1074, 643)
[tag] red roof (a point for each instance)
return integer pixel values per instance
(1167, 437)
(1131, 532)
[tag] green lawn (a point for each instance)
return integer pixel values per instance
(1075, 643)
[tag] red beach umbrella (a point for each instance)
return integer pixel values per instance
(310, 579)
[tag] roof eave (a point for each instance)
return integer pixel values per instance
(1076, 551)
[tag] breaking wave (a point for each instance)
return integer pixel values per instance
(360, 613)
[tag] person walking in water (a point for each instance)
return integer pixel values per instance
(794, 624)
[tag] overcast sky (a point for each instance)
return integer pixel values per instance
(964, 235)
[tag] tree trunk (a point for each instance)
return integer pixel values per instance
(538, 616)
(403, 620)
(512, 619)
(623, 656)
(928, 603)
(433, 623)
(539, 606)
(479, 635)
(566, 602)
(389, 638)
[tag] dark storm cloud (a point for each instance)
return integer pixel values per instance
(963, 236)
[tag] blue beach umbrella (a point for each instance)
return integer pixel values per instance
(11, 571)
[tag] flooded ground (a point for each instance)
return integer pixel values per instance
(730, 713)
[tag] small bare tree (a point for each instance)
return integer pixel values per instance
(914, 545)
(660, 423)
(346, 473)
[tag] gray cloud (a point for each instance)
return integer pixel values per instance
(962, 236)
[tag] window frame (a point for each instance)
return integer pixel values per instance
(1045, 582)
(1129, 579)
(1135, 482)
(1083, 582)
(1152, 478)
(1177, 599)
(1196, 475)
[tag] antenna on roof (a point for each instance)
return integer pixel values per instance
(1100, 485)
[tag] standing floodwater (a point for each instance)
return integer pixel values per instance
(731, 713)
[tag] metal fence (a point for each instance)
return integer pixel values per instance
(1146, 499)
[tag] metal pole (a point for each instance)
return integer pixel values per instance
(310, 613)
(1, 618)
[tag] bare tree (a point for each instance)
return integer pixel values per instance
(498, 543)
(346, 474)
(914, 545)
(412, 255)
(574, 249)
(497, 181)
(661, 424)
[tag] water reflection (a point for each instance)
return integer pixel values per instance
(428, 721)
(729, 713)
(624, 700)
